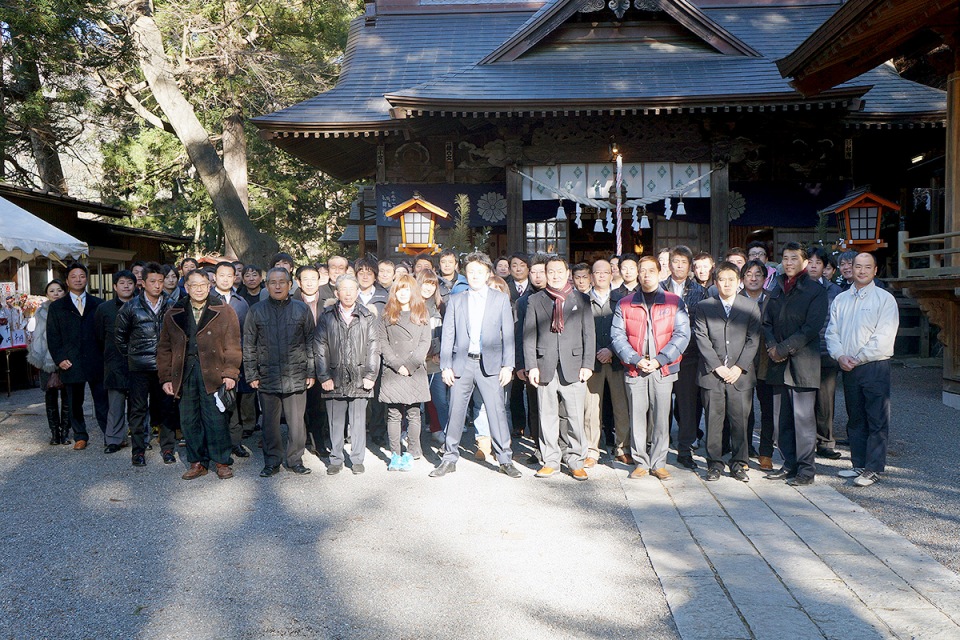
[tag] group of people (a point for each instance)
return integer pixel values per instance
(520, 346)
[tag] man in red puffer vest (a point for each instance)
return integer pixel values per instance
(649, 333)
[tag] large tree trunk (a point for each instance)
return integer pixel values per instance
(43, 140)
(252, 246)
(235, 163)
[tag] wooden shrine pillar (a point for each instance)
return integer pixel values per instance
(516, 231)
(719, 209)
(951, 224)
(951, 214)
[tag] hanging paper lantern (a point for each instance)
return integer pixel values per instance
(681, 210)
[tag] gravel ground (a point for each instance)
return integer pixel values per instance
(93, 548)
(919, 495)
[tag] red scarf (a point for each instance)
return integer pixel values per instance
(788, 283)
(559, 296)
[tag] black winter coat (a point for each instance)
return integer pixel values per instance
(278, 346)
(347, 354)
(693, 293)
(404, 345)
(138, 331)
(115, 370)
(792, 323)
(73, 337)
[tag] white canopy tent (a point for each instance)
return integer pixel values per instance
(25, 236)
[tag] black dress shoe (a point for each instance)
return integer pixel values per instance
(829, 454)
(300, 470)
(800, 481)
(781, 474)
(138, 460)
(713, 474)
(169, 457)
(240, 451)
(112, 448)
(687, 461)
(510, 470)
(443, 469)
(268, 471)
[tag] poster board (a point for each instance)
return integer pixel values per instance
(12, 323)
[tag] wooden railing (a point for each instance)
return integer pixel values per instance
(941, 258)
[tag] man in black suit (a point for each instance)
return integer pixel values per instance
(477, 352)
(116, 374)
(536, 280)
(791, 326)
(826, 394)
(686, 408)
(630, 275)
(72, 338)
(372, 295)
(559, 346)
(518, 280)
(727, 329)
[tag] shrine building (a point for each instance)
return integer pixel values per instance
(537, 111)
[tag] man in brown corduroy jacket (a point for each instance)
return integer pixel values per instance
(199, 350)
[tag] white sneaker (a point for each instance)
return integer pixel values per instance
(866, 479)
(850, 473)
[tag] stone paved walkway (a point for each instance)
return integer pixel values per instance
(766, 560)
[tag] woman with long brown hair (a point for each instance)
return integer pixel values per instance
(404, 342)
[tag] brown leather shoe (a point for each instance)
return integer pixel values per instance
(223, 471)
(589, 463)
(80, 444)
(625, 458)
(638, 473)
(484, 449)
(545, 472)
(195, 471)
(661, 473)
(766, 463)
(579, 474)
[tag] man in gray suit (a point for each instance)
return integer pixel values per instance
(559, 346)
(727, 329)
(477, 351)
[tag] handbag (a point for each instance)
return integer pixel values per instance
(53, 382)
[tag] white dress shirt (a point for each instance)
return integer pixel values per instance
(476, 302)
